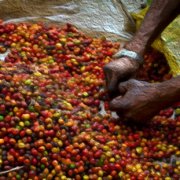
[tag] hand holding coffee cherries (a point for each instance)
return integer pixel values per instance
(119, 70)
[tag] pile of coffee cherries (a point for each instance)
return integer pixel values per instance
(54, 117)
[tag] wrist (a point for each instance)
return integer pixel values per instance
(169, 91)
(136, 46)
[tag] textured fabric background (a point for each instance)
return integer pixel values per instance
(109, 18)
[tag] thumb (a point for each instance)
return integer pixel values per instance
(112, 83)
(119, 104)
(124, 86)
(111, 78)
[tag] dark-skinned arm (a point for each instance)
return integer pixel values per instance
(159, 15)
(140, 100)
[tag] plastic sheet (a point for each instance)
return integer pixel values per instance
(108, 18)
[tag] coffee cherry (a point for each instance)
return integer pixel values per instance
(51, 92)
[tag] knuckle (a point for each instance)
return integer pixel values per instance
(121, 89)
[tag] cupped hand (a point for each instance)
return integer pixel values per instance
(139, 102)
(119, 70)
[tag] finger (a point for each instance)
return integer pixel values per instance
(124, 86)
(113, 83)
(107, 73)
(119, 104)
(125, 119)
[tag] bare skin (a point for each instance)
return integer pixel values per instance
(141, 100)
(160, 14)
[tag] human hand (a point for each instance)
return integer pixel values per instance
(119, 70)
(139, 102)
